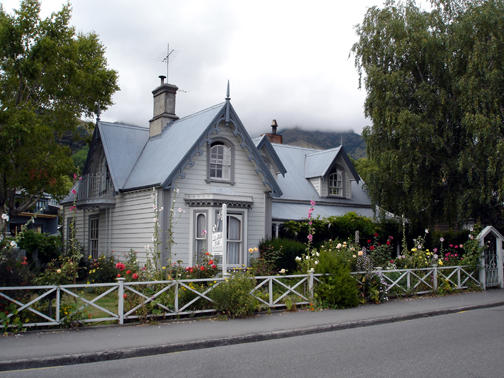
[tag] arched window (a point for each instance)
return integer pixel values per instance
(336, 184)
(220, 161)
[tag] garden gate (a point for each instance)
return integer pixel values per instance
(491, 272)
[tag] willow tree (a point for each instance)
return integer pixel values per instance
(435, 82)
(50, 76)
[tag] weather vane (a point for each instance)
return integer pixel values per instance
(167, 60)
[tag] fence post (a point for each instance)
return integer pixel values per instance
(58, 296)
(459, 285)
(270, 291)
(176, 304)
(434, 279)
(120, 302)
(310, 285)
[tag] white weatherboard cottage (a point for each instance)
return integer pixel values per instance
(194, 165)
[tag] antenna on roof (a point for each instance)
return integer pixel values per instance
(227, 92)
(167, 60)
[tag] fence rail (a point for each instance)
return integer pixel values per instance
(51, 305)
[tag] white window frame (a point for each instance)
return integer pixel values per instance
(196, 237)
(220, 166)
(94, 242)
(336, 184)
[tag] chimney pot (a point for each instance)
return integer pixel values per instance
(274, 126)
(162, 77)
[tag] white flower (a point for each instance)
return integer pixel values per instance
(180, 210)
(282, 271)
(311, 270)
(298, 259)
(441, 239)
(176, 190)
(5, 217)
(316, 262)
(317, 254)
(426, 230)
(174, 201)
(13, 244)
(419, 246)
(471, 236)
(338, 246)
(435, 256)
(307, 257)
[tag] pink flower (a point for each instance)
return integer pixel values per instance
(75, 176)
(456, 255)
(214, 266)
(134, 276)
(456, 246)
(120, 266)
(74, 191)
(434, 250)
(310, 223)
(72, 208)
(310, 237)
(312, 202)
(461, 245)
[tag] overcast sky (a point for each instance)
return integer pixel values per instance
(285, 60)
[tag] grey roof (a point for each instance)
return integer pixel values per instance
(297, 211)
(296, 187)
(263, 142)
(318, 163)
(136, 160)
(122, 144)
(164, 152)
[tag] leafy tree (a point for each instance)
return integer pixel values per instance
(49, 77)
(434, 82)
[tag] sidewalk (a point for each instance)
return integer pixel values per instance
(90, 344)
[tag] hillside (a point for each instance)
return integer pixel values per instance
(352, 142)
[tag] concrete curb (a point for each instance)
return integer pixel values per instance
(73, 359)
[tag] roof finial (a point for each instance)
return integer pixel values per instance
(227, 92)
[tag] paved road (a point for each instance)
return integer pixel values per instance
(466, 344)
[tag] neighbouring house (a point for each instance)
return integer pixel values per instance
(185, 169)
(43, 216)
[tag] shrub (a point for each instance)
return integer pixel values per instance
(14, 270)
(40, 248)
(281, 254)
(232, 297)
(102, 269)
(336, 289)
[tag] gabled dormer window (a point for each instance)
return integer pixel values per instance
(336, 184)
(220, 161)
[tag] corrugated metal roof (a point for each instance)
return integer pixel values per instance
(318, 163)
(164, 152)
(295, 185)
(122, 144)
(295, 211)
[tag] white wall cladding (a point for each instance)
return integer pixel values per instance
(132, 224)
(247, 183)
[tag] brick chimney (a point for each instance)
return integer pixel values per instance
(273, 136)
(164, 107)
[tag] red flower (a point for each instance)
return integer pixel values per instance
(134, 276)
(202, 268)
(125, 296)
(214, 266)
(391, 261)
(371, 248)
(128, 271)
(210, 262)
(190, 269)
(118, 275)
(120, 266)
(375, 234)
(388, 242)
(207, 253)
(369, 241)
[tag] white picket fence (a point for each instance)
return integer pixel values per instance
(53, 305)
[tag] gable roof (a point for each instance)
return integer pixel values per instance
(263, 142)
(122, 144)
(317, 164)
(163, 153)
(296, 187)
(136, 160)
